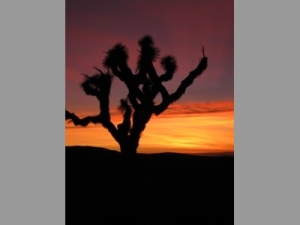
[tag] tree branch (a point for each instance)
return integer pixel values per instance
(167, 100)
(170, 66)
(125, 126)
(88, 89)
(95, 120)
(140, 119)
(84, 121)
(123, 72)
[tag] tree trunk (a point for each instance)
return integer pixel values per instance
(128, 154)
(129, 170)
(127, 149)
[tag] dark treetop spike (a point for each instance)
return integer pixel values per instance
(148, 54)
(146, 40)
(169, 64)
(116, 55)
(92, 85)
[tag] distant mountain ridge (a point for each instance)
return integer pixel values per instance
(89, 148)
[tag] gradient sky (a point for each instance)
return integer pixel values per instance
(202, 120)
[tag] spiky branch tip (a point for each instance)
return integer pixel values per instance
(203, 51)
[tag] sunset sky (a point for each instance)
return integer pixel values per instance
(203, 119)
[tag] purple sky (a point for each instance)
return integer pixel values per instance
(179, 28)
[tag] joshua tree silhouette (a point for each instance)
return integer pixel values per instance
(143, 87)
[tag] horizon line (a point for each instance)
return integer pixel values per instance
(206, 153)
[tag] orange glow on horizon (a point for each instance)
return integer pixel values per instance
(202, 128)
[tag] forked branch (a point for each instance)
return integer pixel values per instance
(95, 120)
(168, 99)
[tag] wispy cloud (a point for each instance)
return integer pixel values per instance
(210, 132)
(198, 108)
(174, 110)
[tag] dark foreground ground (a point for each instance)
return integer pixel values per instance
(162, 189)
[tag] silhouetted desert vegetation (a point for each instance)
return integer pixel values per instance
(143, 86)
(166, 188)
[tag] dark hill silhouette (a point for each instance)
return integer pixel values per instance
(166, 188)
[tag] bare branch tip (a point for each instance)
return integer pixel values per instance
(96, 68)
